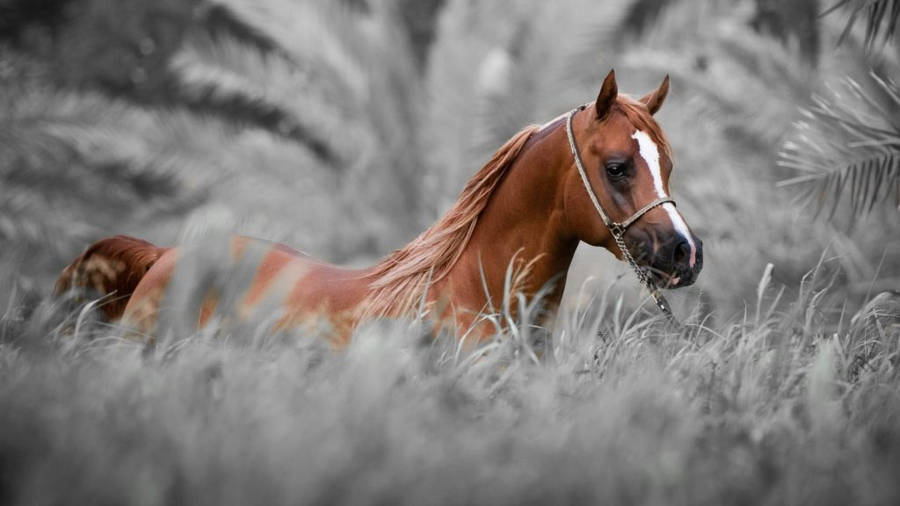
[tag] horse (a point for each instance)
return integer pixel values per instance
(597, 175)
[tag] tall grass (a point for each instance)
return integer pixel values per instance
(795, 403)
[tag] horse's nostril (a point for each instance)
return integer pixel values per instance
(682, 251)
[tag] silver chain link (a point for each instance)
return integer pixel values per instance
(644, 279)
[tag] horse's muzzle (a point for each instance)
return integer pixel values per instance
(673, 262)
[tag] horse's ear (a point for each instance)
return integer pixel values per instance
(654, 100)
(607, 97)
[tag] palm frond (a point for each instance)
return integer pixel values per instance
(725, 63)
(219, 21)
(318, 86)
(319, 37)
(880, 17)
(74, 163)
(332, 78)
(227, 75)
(847, 147)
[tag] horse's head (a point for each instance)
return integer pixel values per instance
(626, 162)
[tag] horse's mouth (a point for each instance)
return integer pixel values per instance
(666, 274)
(667, 280)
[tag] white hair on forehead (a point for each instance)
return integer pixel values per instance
(650, 153)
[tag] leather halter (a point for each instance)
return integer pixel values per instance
(617, 228)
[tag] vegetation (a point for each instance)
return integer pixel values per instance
(779, 407)
(850, 143)
(344, 128)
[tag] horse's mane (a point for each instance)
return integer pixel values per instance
(400, 280)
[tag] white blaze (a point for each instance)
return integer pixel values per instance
(650, 153)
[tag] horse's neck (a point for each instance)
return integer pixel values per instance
(522, 226)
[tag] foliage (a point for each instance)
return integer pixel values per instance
(19, 18)
(78, 164)
(319, 79)
(849, 143)
(73, 164)
(864, 165)
(879, 16)
(117, 47)
(792, 23)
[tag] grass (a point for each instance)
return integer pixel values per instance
(795, 403)
(779, 391)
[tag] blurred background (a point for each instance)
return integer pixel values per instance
(344, 128)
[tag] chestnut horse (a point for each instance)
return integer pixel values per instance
(601, 169)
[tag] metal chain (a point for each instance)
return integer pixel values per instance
(644, 279)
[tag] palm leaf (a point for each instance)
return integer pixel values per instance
(847, 149)
(880, 17)
(331, 77)
(225, 74)
(72, 164)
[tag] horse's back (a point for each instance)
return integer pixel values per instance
(239, 279)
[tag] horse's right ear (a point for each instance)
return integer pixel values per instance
(607, 97)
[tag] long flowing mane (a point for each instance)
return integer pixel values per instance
(400, 279)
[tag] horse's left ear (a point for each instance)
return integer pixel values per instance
(654, 100)
(607, 97)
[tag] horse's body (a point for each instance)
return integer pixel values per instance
(527, 207)
(253, 278)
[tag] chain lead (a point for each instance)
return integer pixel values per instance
(644, 279)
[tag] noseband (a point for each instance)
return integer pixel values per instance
(618, 229)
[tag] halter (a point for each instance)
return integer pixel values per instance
(618, 229)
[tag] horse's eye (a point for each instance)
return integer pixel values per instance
(616, 170)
